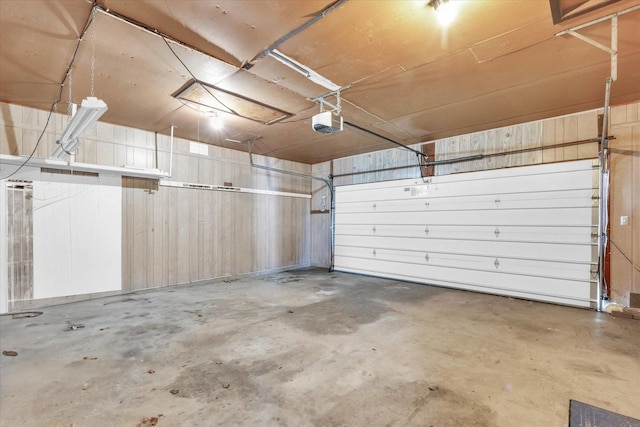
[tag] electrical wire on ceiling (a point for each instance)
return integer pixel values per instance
(154, 31)
(67, 74)
(194, 77)
(194, 108)
(263, 54)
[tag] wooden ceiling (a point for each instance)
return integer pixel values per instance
(411, 80)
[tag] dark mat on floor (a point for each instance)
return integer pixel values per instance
(583, 415)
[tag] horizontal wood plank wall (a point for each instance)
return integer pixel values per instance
(177, 235)
(542, 133)
(625, 201)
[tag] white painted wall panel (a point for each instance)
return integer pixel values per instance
(526, 232)
(77, 227)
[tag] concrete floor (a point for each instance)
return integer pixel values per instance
(307, 347)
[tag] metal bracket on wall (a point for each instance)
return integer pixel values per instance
(613, 49)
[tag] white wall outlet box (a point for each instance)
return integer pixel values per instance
(624, 220)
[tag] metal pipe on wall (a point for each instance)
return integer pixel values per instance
(284, 171)
(327, 182)
(171, 153)
(332, 228)
(602, 211)
(473, 157)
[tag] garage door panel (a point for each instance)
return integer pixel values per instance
(560, 199)
(492, 281)
(495, 248)
(528, 217)
(524, 294)
(580, 235)
(528, 231)
(470, 264)
(440, 187)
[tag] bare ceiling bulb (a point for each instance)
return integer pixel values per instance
(216, 122)
(446, 10)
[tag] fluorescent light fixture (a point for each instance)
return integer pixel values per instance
(89, 112)
(304, 70)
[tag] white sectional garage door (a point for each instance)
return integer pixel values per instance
(528, 232)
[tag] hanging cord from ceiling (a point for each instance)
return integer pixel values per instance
(93, 56)
(69, 111)
(67, 75)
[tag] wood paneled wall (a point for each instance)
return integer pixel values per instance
(390, 158)
(321, 217)
(538, 134)
(625, 201)
(177, 235)
(542, 133)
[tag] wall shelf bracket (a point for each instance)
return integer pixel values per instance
(611, 50)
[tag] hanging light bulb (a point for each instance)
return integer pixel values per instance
(446, 10)
(216, 122)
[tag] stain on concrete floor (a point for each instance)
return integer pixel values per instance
(308, 347)
(337, 315)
